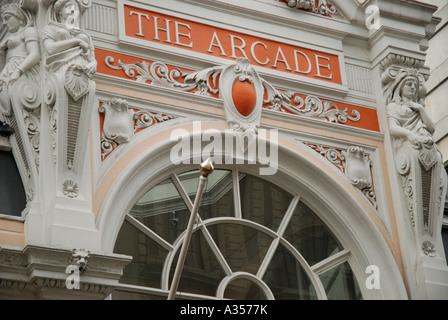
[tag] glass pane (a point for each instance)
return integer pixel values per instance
(126, 295)
(340, 283)
(148, 257)
(162, 210)
(217, 198)
(263, 202)
(244, 248)
(202, 272)
(310, 236)
(287, 279)
(243, 289)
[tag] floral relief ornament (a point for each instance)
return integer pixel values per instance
(204, 82)
(70, 188)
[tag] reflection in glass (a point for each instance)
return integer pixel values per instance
(126, 295)
(287, 279)
(162, 210)
(244, 248)
(243, 289)
(202, 272)
(340, 283)
(310, 236)
(217, 198)
(148, 257)
(263, 202)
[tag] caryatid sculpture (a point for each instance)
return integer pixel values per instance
(20, 51)
(70, 64)
(417, 158)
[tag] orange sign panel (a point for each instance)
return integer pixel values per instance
(218, 42)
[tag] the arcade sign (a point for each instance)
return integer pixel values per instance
(174, 33)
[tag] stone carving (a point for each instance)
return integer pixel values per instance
(70, 64)
(311, 106)
(319, 6)
(417, 159)
(69, 49)
(358, 168)
(70, 188)
(80, 258)
(121, 123)
(20, 98)
(159, 74)
(20, 49)
(354, 163)
(204, 83)
(118, 120)
(241, 88)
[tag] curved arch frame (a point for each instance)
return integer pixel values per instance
(326, 192)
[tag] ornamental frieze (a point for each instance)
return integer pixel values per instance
(206, 83)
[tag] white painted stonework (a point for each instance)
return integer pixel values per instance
(93, 96)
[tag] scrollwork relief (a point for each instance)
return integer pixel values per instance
(121, 123)
(354, 163)
(204, 83)
(311, 106)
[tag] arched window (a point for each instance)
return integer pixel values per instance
(252, 240)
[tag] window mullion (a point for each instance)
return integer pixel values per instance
(214, 247)
(330, 262)
(236, 193)
(281, 229)
(184, 195)
(148, 232)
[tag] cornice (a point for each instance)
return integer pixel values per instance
(41, 272)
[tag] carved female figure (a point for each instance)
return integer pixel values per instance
(69, 48)
(408, 120)
(418, 161)
(70, 64)
(21, 48)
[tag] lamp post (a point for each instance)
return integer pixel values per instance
(206, 169)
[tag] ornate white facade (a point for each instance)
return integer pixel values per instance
(336, 178)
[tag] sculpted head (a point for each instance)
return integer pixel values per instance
(66, 8)
(13, 16)
(407, 85)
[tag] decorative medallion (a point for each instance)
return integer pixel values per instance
(70, 188)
